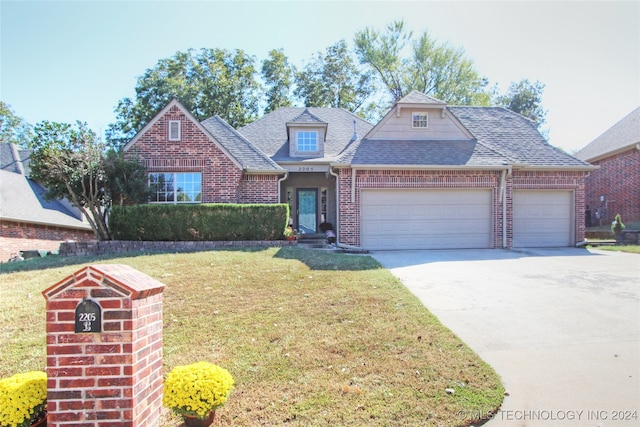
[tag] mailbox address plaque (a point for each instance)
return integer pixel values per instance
(88, 317)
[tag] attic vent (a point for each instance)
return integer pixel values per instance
(355, 131)
(174, 130)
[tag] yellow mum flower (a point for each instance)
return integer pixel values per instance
(21, 397)
(197, 389)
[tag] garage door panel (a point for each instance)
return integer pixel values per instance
(426, 219)
(542, 218)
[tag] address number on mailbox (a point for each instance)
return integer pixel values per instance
(88, 317)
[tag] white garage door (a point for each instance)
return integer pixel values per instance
(542, 218)
(425, 219)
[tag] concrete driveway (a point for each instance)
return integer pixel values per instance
(561, 327)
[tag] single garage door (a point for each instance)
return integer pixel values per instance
(425, 219)
(542, 218)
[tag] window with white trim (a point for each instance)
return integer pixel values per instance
(175, 187)
(307, 141)
(174, 130)
(420, 120)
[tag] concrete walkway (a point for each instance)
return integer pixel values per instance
(561, 327)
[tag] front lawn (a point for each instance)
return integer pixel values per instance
(311, 337)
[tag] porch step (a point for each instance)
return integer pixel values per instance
(312, 240)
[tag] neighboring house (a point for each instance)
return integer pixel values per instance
(27, 221)
(427, 176)
(615, 186)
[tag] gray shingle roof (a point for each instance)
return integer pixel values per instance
(21, 199)
(502, 137)
(415, 97)
(513, 136)
(269, 133)
(423, 153)
(623, 134)
(242, 150)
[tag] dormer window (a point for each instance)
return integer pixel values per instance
(307, 142)
(174, 130)
(306, 135)
(420, 120)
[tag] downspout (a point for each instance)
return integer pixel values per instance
(503, 197)
(286, 175)
(353, 184)
(337, 204)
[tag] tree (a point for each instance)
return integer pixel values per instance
(127, 181)
(444, 73)
(13, 129)
(278, 76)
(436, 70)
(69, 162)
(208, 82)
(333, 80)
(525, 98)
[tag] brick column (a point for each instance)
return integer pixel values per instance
(104, 348)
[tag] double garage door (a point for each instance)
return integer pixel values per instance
(426, 219)
(461, 219)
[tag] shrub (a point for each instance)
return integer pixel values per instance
(199, 222)
(617, 226)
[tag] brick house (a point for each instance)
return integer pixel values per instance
(615, 186)
(426, 176)
(28, 222)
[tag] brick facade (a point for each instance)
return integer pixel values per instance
(19, 236)
(223, 181)
(112, 377)
(618, 180)
(349, 209)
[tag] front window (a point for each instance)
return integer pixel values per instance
(180, 187)
(307, 141)
(420, 120)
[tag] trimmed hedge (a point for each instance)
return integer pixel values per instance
(221, 222)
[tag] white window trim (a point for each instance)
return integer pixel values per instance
(175, 200)
(426, 119)
(171, 123)
(298, 150)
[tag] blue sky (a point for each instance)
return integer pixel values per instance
(68, 61)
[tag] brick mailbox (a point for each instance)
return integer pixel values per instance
(104, 348)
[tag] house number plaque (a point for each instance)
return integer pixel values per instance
(88, 317)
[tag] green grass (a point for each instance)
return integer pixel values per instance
(311, 338)
(634, 249)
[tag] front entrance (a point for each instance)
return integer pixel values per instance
(307, 212)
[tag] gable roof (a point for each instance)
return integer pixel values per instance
(619, 137)
(245, 153)
(498, 138)
(22, 200)
(234, 145)
(513, 136)
(269, 133)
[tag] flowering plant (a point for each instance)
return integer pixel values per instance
(23, 398)
(197, 389)
(290, 232)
